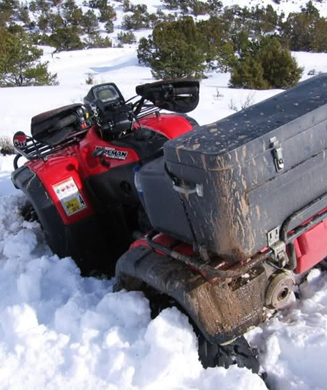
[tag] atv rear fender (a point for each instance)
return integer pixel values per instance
(221, 311)
(65, 240)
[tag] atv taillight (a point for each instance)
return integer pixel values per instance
(20, 139)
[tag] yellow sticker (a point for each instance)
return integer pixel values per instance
(72, 205)
(69, 196)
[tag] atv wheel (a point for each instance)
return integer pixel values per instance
(29, 213)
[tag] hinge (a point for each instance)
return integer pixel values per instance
(277, 154)
(278, 246)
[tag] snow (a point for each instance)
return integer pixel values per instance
(59, 330)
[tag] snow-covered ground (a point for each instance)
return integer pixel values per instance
(61, 331)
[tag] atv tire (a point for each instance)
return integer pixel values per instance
(28, 212)
(93, 259)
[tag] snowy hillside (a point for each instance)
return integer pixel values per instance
(61, 331)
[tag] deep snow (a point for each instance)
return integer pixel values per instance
(59, 330)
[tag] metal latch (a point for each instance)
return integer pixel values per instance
(278, 246)
(277, 154)
(198, 189)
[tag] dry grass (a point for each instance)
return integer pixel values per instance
(6, 146)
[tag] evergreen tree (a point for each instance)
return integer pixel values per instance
(43, 22)
(128, 6)
(55, 21)
(8, 10)
(265, 64)
(95, 40)
(19, 62)
(139, 19)
(65, 39)
(96, 4)
(109, 26)
(43, 6)
(216, 43)
(170, 4)
(300, 28)
(248, 73)
(73, 15)
(32, 6)
(280, 68)
(107, 13)
(90, 22)
(22, 14)
(174, 50)
(126, 37)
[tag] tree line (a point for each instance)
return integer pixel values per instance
(252, 43)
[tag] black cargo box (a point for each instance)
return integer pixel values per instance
(251, 170)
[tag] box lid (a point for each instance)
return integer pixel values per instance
(248, 133)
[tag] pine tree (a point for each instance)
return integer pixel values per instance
(280, 68)
(248, 73)
(175, 49)
(19, 62)
(65, 39)
(126, 37)
(95, 40)
(265, 64)
(90, 22)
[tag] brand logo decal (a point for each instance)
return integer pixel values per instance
(113, 153)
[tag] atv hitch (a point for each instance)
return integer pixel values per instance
(211, 273)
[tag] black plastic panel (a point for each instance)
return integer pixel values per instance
(244, 195)
(163, 205)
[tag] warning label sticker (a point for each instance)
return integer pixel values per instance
(69, 196)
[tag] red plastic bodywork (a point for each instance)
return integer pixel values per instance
(171, 126)
(311, 247)
(165, 240)
(77, 161)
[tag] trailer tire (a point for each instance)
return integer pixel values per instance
(237, 352)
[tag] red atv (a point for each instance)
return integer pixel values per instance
(221, 220)
(83, 162)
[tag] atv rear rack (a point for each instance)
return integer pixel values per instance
(39, 150)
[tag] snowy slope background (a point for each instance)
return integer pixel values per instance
(61, 331)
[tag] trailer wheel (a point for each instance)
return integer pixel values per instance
(238, 352)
